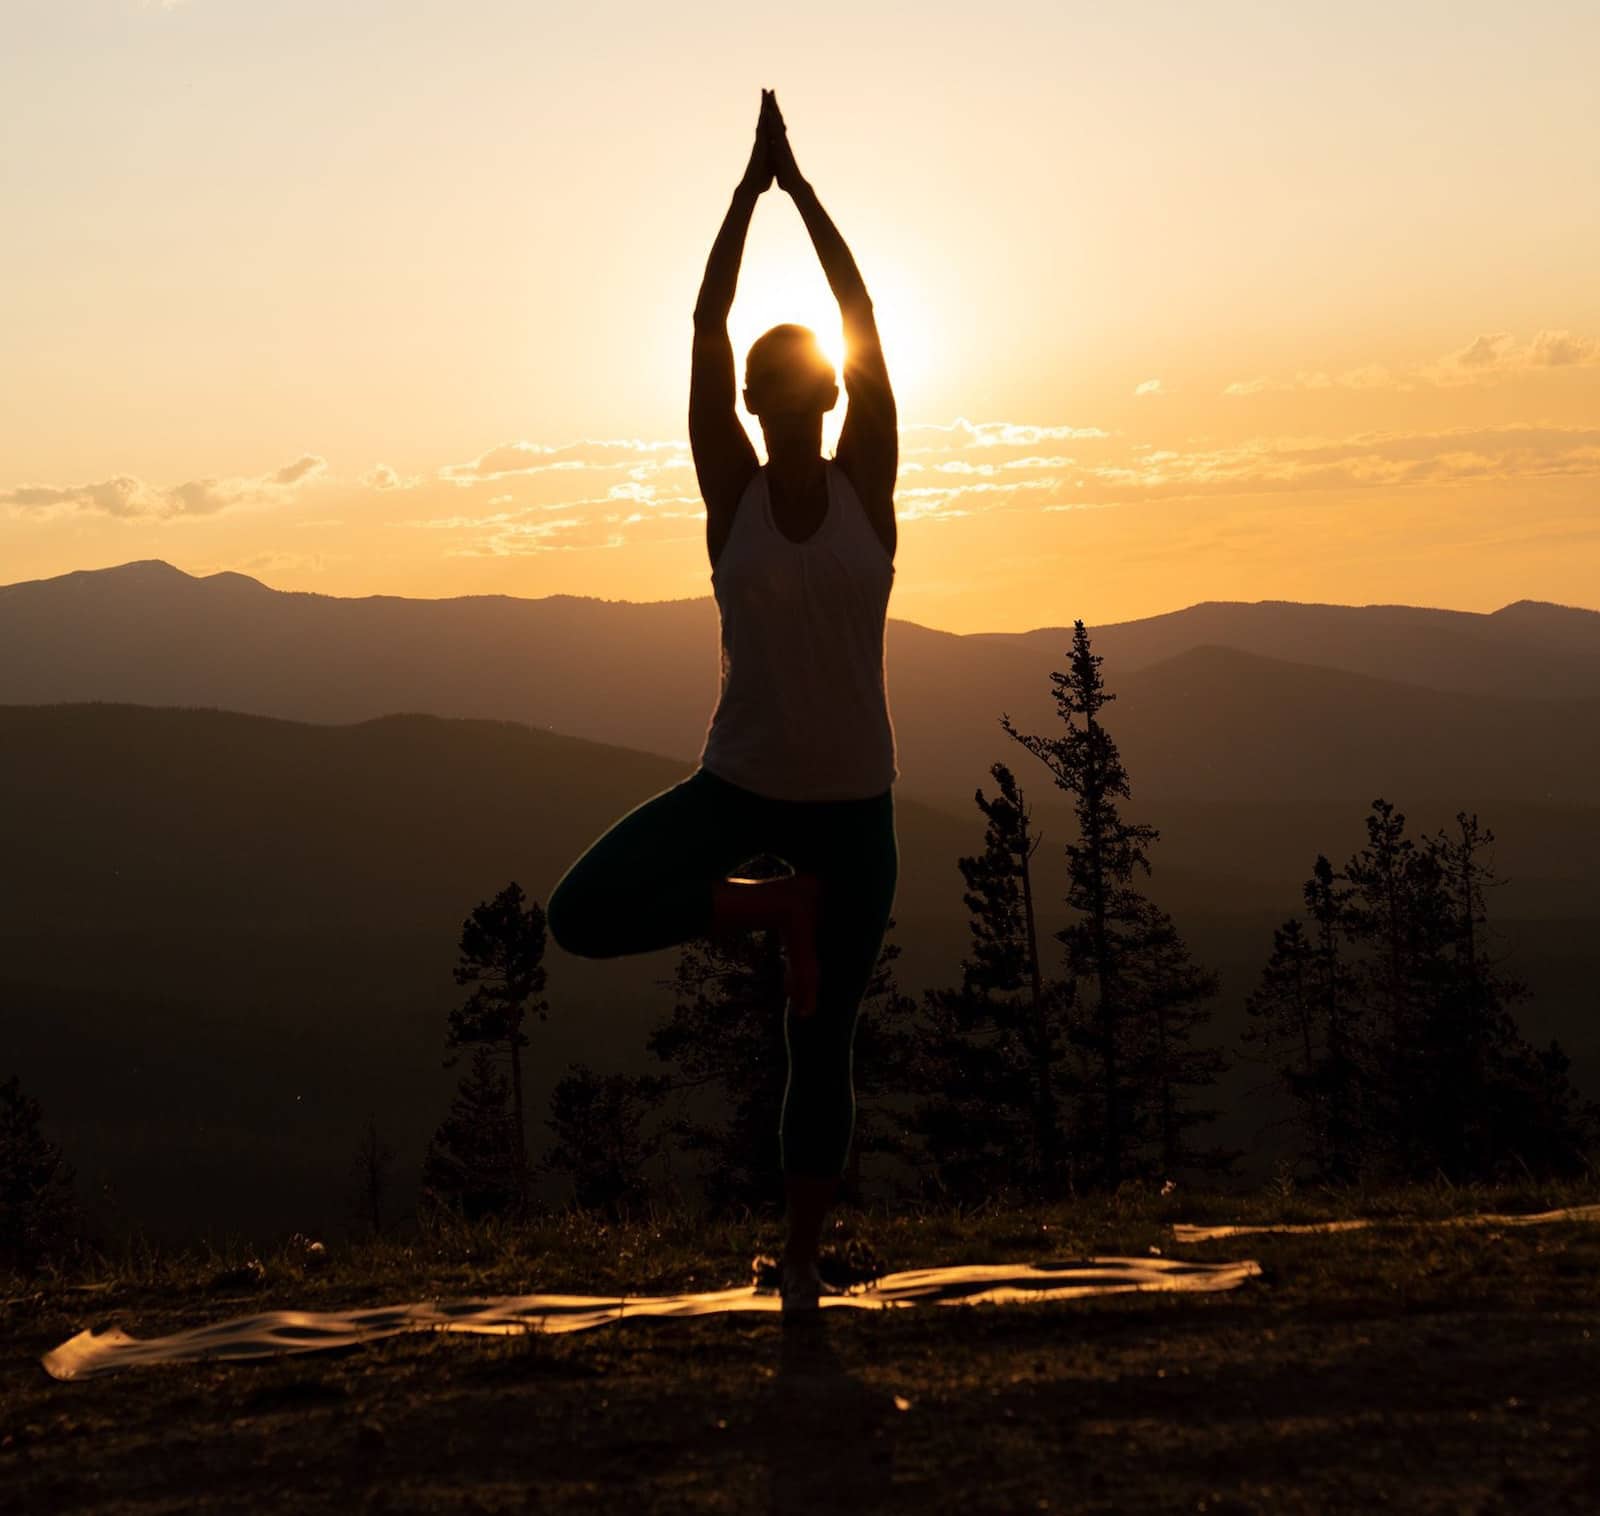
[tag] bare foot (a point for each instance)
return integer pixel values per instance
(799, 937)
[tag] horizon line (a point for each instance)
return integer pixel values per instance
(165, 564)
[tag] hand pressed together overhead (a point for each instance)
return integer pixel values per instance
(771, 157)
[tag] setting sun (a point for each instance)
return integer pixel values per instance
(785, 287)
(782, 281)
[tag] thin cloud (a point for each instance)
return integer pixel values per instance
(951, 486)
(986, 434)
(631, 511)
(382, 477)
(1488, 358)
(302, 468)
(969, 466)
(1363, 461)
(966, 469)
(1371, 376)
(130, 498)
(1562, 350)
(1482, 352)
(1148, 387)
(1494, 356)
(508, 458)
(121, 496)
(511, 458)
(962, 469)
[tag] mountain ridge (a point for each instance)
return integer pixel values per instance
(171, 571)
(1293, 704)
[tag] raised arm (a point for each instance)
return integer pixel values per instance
(724, 460)
(869, 441)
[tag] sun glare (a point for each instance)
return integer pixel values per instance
(778, 290)
(770, 293)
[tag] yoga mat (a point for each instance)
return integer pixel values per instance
(1182, 1232)
(272, 1333)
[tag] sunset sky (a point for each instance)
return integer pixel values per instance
(1181, 301)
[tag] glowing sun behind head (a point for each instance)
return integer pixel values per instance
(792, 288)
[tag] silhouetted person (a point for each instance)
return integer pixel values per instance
(799, 758)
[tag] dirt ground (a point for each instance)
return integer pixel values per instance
(1440, 1369)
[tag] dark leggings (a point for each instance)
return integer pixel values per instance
(646, 883)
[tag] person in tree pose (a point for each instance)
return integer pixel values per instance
(799, 758)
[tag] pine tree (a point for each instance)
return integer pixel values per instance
(1491, 1097)
(1343, 1080)
(502, 957)
(1114, 955)
(1170, 1001)
(968, 1090)
(1304, 1013)
(1377, 911)
(370, 1175)
(1393, 910)
(1004, 972)
(598, 1121)
(1395, 1032)
(1547, 1126)
(1283, 1015)
(38, 1208)
(988, 1064)
(470, 1164)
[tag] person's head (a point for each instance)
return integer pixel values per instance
(789, 383)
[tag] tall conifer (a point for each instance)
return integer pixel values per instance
(989, 1063)
(470, 1165)
(1139, 1000)
(38, 1206)
(1312, 1028)
(502, 957)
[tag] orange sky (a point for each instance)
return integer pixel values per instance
(1181, 302)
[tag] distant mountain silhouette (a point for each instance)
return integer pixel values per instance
(1218, 701)
(1527, 648)
(1219, 724)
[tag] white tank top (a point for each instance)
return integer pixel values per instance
(803, 712)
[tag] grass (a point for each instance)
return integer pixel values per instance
(1400, 1367)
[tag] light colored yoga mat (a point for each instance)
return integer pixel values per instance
(273, 1333)
(1183, 1232)
(281, 1332)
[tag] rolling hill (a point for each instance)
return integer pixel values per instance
(225, 938)
(1216, 703)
